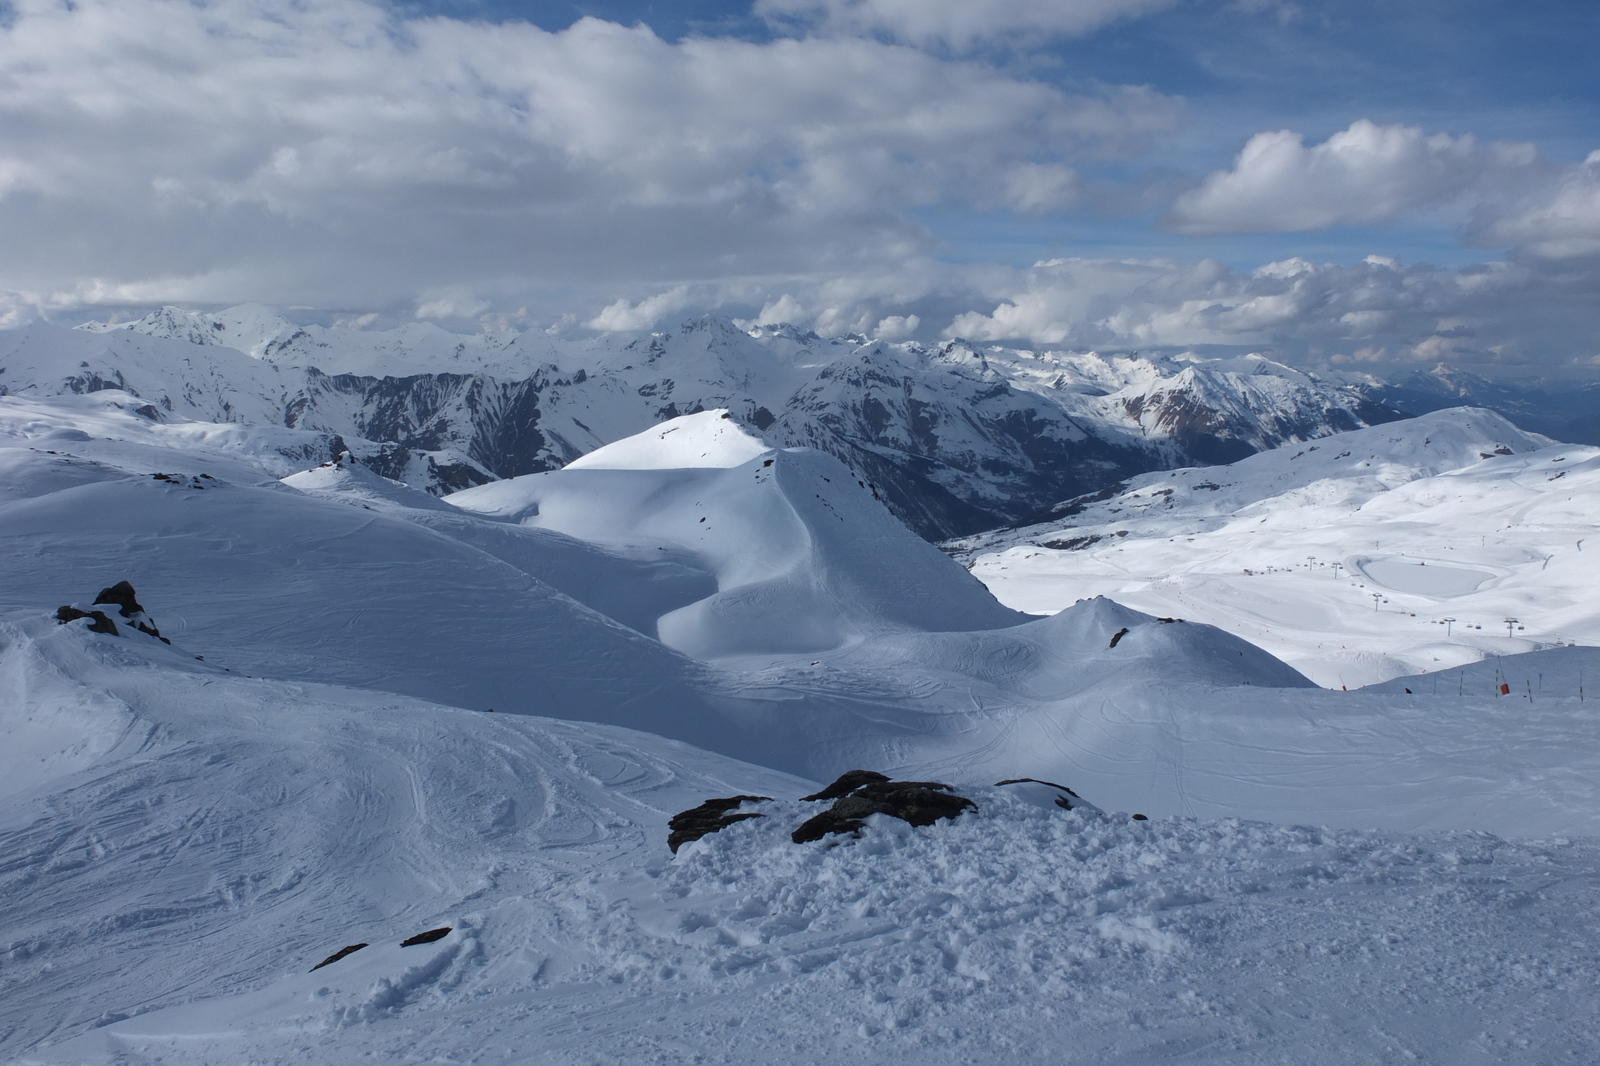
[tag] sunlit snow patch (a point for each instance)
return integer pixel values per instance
(706, 439)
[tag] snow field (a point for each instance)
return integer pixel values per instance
(1390, 557)
(290, 820)
(180, 844)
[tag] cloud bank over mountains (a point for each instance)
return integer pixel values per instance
(339, 157)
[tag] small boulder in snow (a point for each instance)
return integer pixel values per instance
(917, 802)
(102, 622)
(1045, 794)
(847, 783)
(711, 816)
(348, 949)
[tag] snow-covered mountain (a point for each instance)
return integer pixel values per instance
(1399, 549)
(309, 770)
(956, 438)
(1566, 410)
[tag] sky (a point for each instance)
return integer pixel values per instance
(1367, 184)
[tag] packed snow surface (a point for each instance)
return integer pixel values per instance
(186, 830)
(168, 895)
(1400, 549)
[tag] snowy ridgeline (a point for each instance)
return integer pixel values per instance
(188, 828)
(958, 438)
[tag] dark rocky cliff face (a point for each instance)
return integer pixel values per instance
(951, 446)
(495, 423)
(955, 439)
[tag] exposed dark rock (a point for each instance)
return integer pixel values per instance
(1118, 635)
(847, 783)
(1072, 544)
(102, 622)
(427, 938)
(917, 802)
(710, 817)
(1036, 781)
(122, 596)
(348, 949)
(1060, 800)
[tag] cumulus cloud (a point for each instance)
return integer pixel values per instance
(896, 327)
(333, 154)
(957, 24)
(1559, 221)
(1364, 175)
(1379, 310)
(625, 317)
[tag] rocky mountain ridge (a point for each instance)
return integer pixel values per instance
(958, 438)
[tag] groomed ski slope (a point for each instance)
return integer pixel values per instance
(170, 886)
(1395, 550)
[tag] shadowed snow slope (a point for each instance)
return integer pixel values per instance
(169, 888)
(1382, 552)
(805, 558)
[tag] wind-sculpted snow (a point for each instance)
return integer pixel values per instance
(804, 557)
(1406, 548)
(708, 439)
(168, 893)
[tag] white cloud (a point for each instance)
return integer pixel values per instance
(625, 317)
(896, 327)
(1561, 221)
(958, 24)
(1378, 309)
(1364, 175)
(451, 303)
(784, 309)
(330, 153)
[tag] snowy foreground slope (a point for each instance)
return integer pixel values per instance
(696, 615)
(170, 884)
(1386, 551)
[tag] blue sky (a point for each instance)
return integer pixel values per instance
(1352, 182)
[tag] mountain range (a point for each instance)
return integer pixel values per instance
(956, 438)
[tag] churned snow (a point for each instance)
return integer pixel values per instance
(167, 902)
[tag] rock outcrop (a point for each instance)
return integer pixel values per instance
(917, 802)
(125, 600)
(711, 816)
